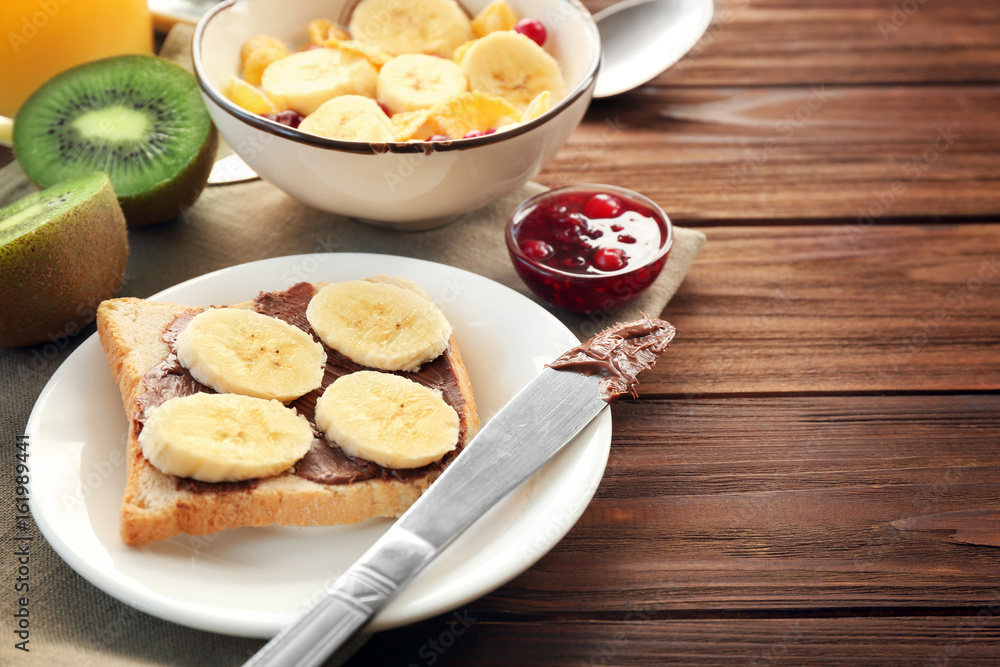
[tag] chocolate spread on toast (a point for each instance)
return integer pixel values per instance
(619, 354)
(324, 463)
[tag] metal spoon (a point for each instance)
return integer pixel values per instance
(642, 38)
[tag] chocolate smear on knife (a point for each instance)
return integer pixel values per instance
(979, 527)
(618, 354)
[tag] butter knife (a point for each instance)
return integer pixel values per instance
(231, 169)
(511, 447)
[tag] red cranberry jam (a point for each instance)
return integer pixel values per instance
(588, 248)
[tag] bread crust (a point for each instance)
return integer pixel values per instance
(154, 508)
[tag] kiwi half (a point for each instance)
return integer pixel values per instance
(139, 119)
(62, 251)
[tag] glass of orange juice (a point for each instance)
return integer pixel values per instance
(40, 38)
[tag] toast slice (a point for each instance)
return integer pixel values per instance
(137, 337)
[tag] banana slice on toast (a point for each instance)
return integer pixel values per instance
(379, 325)
(239, 351)
(387, 419)
(224, 437)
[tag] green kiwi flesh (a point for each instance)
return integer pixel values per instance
(140, 119)
(62, 251)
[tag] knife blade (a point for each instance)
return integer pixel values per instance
(511, 447)
(231, 169)
(526, 433)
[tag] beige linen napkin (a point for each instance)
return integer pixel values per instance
(238, 223)
(71, 621)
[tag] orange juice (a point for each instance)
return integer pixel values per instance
(40, 38)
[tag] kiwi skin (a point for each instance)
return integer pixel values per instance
(53, 277)
(170, 198)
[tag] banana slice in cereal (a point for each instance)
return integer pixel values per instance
(350, 118)
(418, 81)
(509, 65)
(435, 27)
(305, 80)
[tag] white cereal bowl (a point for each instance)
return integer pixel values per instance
(409, 186)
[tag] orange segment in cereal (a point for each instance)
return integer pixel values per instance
(321, 30)
(259, 60)
(472, 111)
(249, 97)
(373, 54)
(495, 16)
(536, 107)
(261, 42)
(411, 125)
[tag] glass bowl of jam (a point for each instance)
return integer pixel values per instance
(589, 248)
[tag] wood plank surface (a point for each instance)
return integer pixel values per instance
(637, 641)
(788, 42)
(836, 308)
(778, 504)
(755, 529)
(809, 152)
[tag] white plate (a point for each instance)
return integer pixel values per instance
(251, 581)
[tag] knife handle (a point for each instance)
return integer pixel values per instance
(348, 605)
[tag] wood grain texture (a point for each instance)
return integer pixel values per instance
(836, 308)
(787, 42)
(729, 531)
(810, 152)
(980, 527)
(637, 641)
(779, 504)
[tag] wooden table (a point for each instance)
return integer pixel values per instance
(836, 370)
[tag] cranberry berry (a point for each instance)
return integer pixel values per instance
(533, 29)
(290, 118)
(603, 206)
(536, 249)
(610, 259)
